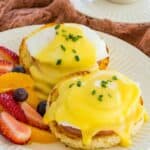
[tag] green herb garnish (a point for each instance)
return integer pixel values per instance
(104, 84)
(57, 26)
(100, 97)
(59, 61)
(114, 78)
(71, 85)
(74, 38)
(77, 58)
(57, 33)
(63, 30)
(93, 92)
(63, 47)
(74, 51)
(79, 83)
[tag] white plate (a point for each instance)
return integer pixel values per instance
(131, 13)
(123, 57)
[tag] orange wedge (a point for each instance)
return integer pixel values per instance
(13, 80)
(42, 136)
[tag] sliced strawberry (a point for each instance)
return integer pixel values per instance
(2, 72)
(5, 66)
(13, 130)
(6, 54)
(11, 106)
(33, 117)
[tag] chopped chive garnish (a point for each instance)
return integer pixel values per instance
(104, 84)
(109, 81)
(57, 33)
(74, 51)
(77, 58)
(79, 83)
(114, 78)
(100, 97)
(63, 30)
(74, 38)
(71, 85)
(93, 92)
(63, 47)
(57, 26)
(59, 61)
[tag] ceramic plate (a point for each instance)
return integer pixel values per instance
(131, 13)
(123, 57)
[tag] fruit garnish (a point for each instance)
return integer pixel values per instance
(18, 69)
(33, 118)
(41, 108)
(20, 95)
(9, 55)
(13, 130)
(42, 136)
(32, 100)
(13, 80)
(11, 106)
(5, 66)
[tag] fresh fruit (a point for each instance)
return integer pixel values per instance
(18, 69)
(32, 116)
(6, 54)
(14, 80)
(32, 100)
(2, 72)
(42, 136)
(20, 95)
(13, 130)
(41, 108)
(11, 106)
(5, 66)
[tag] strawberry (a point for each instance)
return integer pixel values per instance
(6, 54)
(5, 66)
(34, 118)
(13, 130)
(11, 106)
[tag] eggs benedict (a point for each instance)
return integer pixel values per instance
(56, 50)
(95, 110)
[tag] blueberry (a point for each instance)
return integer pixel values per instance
(41, 108)
(20, 95)
(18, 69)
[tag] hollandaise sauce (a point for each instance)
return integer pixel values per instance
(69, 48)
(100, 101)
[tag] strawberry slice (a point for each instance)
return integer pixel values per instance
(6, 54)
(13, 130)
(34, 118)
(11, 106)
(5, 66)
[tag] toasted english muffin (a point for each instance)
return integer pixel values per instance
(102, 141)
